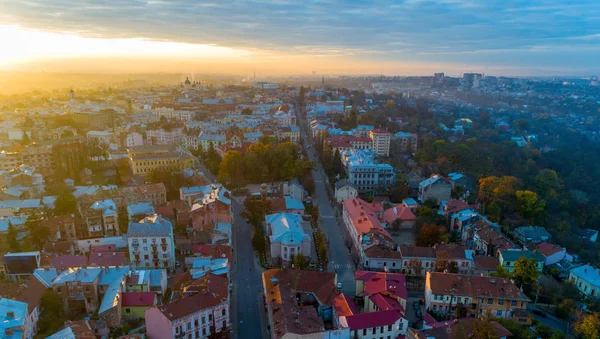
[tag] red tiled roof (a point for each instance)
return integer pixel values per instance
(344, 306)
(380, 130)
(213, 251)
(473, 285)
(486, 263)
(380, 282)
(409, 251)
(453, 206)
(384, 302)
(65, 261)
(192, 304)
(363, 216)
(108, 259)
(398, 212)
(450, 251)
(138, 299)
(381, 252)
(372, 319)
(548, 249)
(103, 248)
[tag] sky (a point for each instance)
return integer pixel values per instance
(410, 37)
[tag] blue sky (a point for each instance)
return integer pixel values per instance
(511, 37)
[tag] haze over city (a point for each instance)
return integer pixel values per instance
(412, 37)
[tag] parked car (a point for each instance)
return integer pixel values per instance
(339, 286)
(416, 305)
(539, 312)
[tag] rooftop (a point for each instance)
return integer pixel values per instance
(133, 299)
(474, 286)
(515, 255)
(588, 273)
(154, 226)
(458, 329)
(286, 228)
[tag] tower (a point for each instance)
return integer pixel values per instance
(72, 95)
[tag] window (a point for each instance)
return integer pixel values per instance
(223, 313)
(196, 323)
(374, 330)
(365, 331)
(501, 302)
(490, 301)
(210, 317)
(145, 241)
(189, 326)
(203, 331)
(499, 312)
(514, 304)
(389, 327)
(203, 320)
(393, 264)
(435, 307)
(127, 310)
(224, 323)
(381, 330)
(508, 263)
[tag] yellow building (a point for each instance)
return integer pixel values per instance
(463, 295)
(135, 304)
(146, 160)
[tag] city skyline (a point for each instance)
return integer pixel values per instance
(283, 37)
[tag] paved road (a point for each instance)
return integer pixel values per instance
(340, 260)
(550, 320)
(245, 276)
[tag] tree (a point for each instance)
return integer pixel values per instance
(258, 242)
(308, 183)
(299, 261)
(52, 316)
(501, 272)
(525, 273)
(13, 243)
(588, 326)
(414, 267)
(38, 233)
(231, 169)
(483, 329)
(529, 205)
(65, 203)
(546, 182)
(399, 193)
(430, 235)
(337, 162)
(247, 111)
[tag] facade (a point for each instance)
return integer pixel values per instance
(151, 244)
(100, 119)
(162, 136)
(138, 211)
(135, 304)
(417, 260)
(587, 280)
(508, 258)
(348, 142)
(102, 137)
(146, 160)
(365, 174)
(286, 237)
(101, 219)
(552, 253)
(21, 265)
(195, 316)
(344, 190)
(133, 139)
(437, 188)
(407, 141)
(156, 194)
(9, 160)
(362, 224)
(381, 141)
(461, 295)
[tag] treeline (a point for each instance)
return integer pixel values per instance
(263, 162)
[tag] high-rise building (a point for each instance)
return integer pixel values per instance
(381, 141)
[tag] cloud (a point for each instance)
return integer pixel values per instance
(490, 32)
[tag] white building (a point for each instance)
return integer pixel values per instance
(587, 280)
(103, 137)
(134, 139)
(287, 237)
(381, 141)
(344, 190)
(151, 244)
(162, 137)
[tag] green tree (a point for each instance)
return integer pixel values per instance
(65, 203)
(231, 169)
(258, 242)
(546, 182)
(525, 273)
(38, 234)
(337, 163)
(247, 111)
(299, 261)
(501, 272)
(529, 205)
(483, 329)
(52, 316)
(11, 238)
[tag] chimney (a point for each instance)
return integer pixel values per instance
(10, 315)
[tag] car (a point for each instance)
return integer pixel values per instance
(177, 264)
(339, 286)
(539, 313)
(416, 305)
(418, 313)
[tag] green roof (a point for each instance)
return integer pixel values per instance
(515, 255)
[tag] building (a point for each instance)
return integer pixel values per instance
(96, 119)
(487, 241)
(381, 141)
(484, 265)
(384, 297)
(101, 219)
(508, 259)
(151, 244)
(348, 142)
(135, 304)
(133, 139)
(294, 190)
(146, 160)
(139, 210)
(437, 188)
(102, 137)
(552, 253)
(14, 320)
(299, 303)
(162, 136)
(156, 194)
(399, 216)
(286, 237)
(211, 208)
(20, 265)
(461, 296)
(363, 226)
(531, 234)
(407, 141)
(417, 260)
(9, 160)
(457, 329)
(81, 329)
(366, 175)
(449, 255)
(195, 316)
(345, 190)
(587, 280)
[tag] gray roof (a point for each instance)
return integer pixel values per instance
(151, 227)
(342, 183)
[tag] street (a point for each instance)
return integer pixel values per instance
(340, 260)
(245, 276)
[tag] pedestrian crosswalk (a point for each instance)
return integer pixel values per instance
(342, 266)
